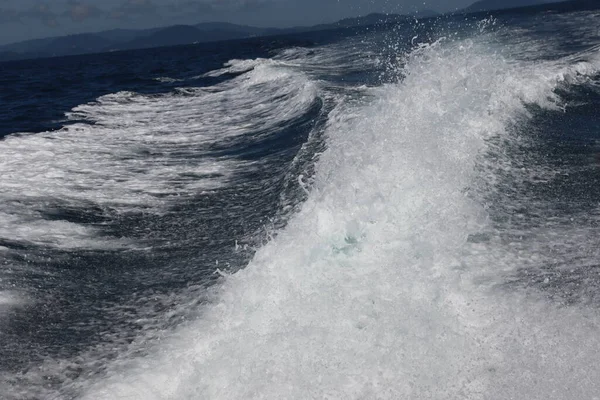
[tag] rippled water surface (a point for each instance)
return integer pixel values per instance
(398, 212)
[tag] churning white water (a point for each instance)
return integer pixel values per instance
(373, 290)
(134, 152)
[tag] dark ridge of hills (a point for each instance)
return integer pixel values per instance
(56, 46)
(371, 19)
(187, 34)
(126, 35)
(28, 46)
(425, 14)
(241, 29)
(534, 6)
(128, 39)
(83, 43)
(490, 5)
(171, 36)
(374, 19)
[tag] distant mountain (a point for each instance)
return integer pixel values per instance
(28, 46)
(241, 29)
(72, 44)
(370, 19)
(187, 34)
(126, 35)
(83, 43)
(127, 39)
(377, 19)
(490, 5)
(426, 14)
(171, 36)
(531, 6)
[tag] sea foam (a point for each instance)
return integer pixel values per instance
(373, 289)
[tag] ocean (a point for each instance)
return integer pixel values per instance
(403, 211)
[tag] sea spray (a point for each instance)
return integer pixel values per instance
(368, 292)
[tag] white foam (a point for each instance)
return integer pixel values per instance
(236, 66)
(367, 293)
(10, 300)
(339, 59)
(139, 152)
(166, 79)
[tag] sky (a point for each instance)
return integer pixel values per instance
(31, 19)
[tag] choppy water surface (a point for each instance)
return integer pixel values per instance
(394, 213)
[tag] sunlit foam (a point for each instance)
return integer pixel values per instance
(9, 300)
(369, 292)
(340, 58)
(138, 153)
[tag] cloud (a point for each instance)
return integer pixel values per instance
(133, 8)
(42, 12)
(209, 6)
(187, 7)
(240, 5)
(254, 5)
(79, 11)
(8, 15)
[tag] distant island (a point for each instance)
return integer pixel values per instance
(507, 6)
(491, 5)
(128, 39)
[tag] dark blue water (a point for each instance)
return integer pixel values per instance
(75, 287)
(284, 217)
(37, 93)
